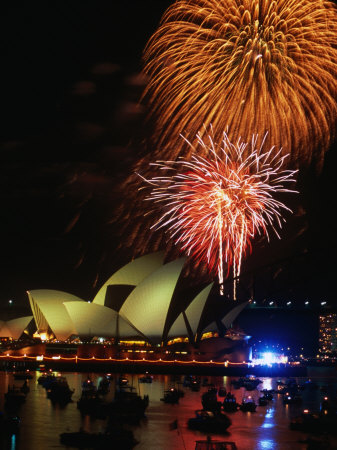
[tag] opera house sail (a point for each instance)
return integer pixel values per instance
(138, 303)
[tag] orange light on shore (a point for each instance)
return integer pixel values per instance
(121, 360)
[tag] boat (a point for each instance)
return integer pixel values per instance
(59, 391)
(146, 379)
(127, 407)
(92, 404)
(209, 422)
(209, 444)
(195, 384)
(289, 399)
(309, 422)
(210, 401)
(123, 381)
(310, 384)
(103, 386)
(171, 396)
(121, 439)
(26, 375)
(46, 379)
(25, 388)
(263, 401)
(327, 405)
(230, 404)
(187, 380)
(268, 393)
(222, 391)
(250, 383)
(248, 404)
(88, 385)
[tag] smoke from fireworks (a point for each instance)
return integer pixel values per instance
(213, 207)
(248, 64)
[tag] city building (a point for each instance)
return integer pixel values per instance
(328, 335)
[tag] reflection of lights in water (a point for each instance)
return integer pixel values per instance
(267, 444)
(268, 420)
(13, 442)
(267, 384)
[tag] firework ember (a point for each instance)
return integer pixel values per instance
(248, 64)
(213, 207)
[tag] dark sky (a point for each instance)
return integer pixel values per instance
(71, 129)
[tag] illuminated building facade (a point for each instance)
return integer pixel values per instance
(136, 307)
(328, 335)
(14, 328)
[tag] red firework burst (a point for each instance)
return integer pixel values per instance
(213, 207)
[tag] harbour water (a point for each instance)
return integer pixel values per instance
(266, 429)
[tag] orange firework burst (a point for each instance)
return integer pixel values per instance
(212, 208)
(249, 64)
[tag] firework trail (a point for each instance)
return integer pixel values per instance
(213, 207)
(248, 65)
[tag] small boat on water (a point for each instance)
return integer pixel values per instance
(146, 379)
(46, 379)
(88, 385)
(230, 404)
(26, 375)
(250, 383)
(171, 396)
(103, 386)
(123, 381)
(292, 399)
(59, 391)
(263, 401)
(92, 404)
(309, 422)
(248, 404)
(127, 407)
(222, 391)
(209, 401)
(25, 388)
(209, 422)
(268, 393)
(195, 384)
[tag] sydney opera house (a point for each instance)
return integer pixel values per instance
(137, 306)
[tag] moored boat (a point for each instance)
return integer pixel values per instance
(248, 404)
(59, 391)
(209, 422)
(230, 404)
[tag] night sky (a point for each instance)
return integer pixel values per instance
(71, 131)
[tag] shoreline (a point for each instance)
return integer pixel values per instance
(154, 367)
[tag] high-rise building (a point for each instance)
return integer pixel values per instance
(328, 335)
